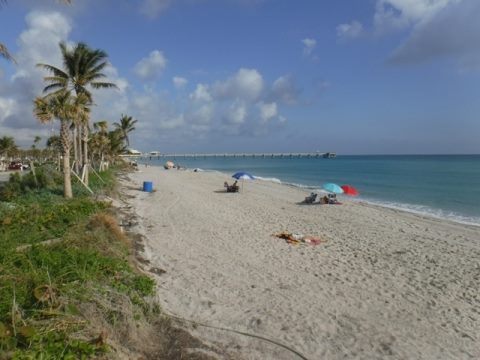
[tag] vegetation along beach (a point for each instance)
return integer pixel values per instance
(239, 180)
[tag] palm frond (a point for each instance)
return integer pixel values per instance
(56, 87)
(96, 69)
(54, 70)
(103, 85)
(41, 110)
(5, 54)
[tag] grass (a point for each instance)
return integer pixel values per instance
(43, 288)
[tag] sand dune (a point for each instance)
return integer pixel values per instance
(385, 284)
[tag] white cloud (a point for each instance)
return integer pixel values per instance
(7, 108)
(153, 8)
(236, 113)
(201, 94)
(151, 67)
(155, 112)
(350, 31)
(203, 115)
(239, 104)
(110, 103)
(246, 84)
(309, 45)
(37, 44)
(395, 14)
(172, 123)
(441, 28)
(284, 90)
(179, 82)
(267, 111)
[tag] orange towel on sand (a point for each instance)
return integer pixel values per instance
(298, 238)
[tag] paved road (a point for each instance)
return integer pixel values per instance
(4, 175)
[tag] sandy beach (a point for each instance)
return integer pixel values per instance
(385, 284)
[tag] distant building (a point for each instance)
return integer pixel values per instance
(133, 152)
(155, 153)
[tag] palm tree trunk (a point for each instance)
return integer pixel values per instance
(65, 136)
(79, 146)
(75, 149)
(85, 154)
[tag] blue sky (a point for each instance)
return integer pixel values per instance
(350, 76)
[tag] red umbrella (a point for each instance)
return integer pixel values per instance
(349, 190)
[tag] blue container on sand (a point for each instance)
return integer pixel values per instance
(147, 186)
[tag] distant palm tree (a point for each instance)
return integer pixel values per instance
(7, 146)
(82, 70)
(54, 144)
(36, 140)
(125, 127)
(99, 142)
(63, 107)
(117, 144)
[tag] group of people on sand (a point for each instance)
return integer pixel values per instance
(327, 199)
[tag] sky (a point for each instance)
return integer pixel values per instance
(216, 76)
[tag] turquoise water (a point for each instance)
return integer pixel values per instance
(446, 186)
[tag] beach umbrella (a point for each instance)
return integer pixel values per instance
(349, 190)
(243, 176)
(332, 188)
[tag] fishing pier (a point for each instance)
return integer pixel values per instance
(155, 155)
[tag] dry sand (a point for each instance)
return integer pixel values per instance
(385, 285)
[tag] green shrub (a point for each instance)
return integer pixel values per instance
(46, 176)
(41, 285)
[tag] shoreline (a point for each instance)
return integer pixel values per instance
(403, 207)
(385, 282)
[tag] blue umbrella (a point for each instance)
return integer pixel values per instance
(241, 175)
(333, 188)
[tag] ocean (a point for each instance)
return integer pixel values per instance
(443, 186)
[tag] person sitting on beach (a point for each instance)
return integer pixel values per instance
(235, 187)
(332, 199)
(311, 199)
(324, 200)
(231, 188)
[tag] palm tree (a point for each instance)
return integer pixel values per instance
(34, 152)
(62, 106)
(36, 140)
(117, 144)
(7, 146)
(82, 70)
(125, 127)
(99, 142)
(54, 145)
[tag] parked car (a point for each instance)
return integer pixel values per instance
(15, 165)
